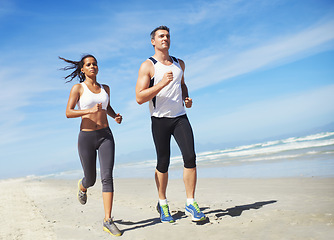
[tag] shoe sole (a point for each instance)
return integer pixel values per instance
(108, 231)
(167, 221)
(78, 192)
(193, 218)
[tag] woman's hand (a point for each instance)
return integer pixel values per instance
(96, 108)
(118, 118)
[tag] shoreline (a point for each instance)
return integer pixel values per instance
(275, 208)
(249, 170)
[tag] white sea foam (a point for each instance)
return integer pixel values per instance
(271, 150)
(265, 151)
(316, 146)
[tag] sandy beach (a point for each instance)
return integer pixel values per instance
(286, 208)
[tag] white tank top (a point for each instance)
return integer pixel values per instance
(89, 99)
(168, 102)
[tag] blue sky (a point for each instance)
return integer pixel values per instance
(255, 69)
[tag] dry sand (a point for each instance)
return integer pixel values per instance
(298, 208)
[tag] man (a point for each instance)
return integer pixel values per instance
(161, 82)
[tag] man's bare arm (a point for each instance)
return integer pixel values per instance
(145, 93)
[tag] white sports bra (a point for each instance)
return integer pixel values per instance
(88, 99)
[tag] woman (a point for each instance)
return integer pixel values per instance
(95, 135)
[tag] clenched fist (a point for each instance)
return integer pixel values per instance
(118, 118)
(96, 108)
(167, 78)
(188, 102)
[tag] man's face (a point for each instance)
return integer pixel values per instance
(161, 39)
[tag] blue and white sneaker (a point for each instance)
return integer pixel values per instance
(195, 212)
(165, 216)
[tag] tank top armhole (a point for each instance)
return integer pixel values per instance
(175, 59)
(103, 88)
(83, 90)
(153, 61)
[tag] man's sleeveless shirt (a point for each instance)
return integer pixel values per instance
(168, 102)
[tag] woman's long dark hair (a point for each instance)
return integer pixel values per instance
(77, 68)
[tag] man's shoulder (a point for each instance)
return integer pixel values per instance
(181, 63)
(146, 68)
(175, 59)
(105, 86)
(147, 64)
(178, 60)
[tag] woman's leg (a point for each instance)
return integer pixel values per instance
(106, 157)
(108, 198)
(87, 154)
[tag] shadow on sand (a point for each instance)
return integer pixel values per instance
(237, 210)
(177, 215)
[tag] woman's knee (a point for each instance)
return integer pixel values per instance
(88, 182)
(107, 184)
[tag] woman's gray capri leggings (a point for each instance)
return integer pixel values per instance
(89, 143)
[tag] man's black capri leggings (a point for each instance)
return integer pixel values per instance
(180, 128)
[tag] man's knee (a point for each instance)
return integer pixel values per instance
(162, 166)
(189, 161)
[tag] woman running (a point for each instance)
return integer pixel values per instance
(95, 137)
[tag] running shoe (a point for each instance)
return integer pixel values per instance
(110, 227)
(165, 216)
(195, 212)
(82, 196)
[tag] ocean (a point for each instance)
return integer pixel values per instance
(306, 156)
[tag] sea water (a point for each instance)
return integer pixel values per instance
(306, 156)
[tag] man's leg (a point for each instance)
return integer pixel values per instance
(161, 137)
(184, 137)
(161, 180)
(190, 179)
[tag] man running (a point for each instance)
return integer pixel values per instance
(161, 83)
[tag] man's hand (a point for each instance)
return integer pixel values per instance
(188, 102)
(167, 78)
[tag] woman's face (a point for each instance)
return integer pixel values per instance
(90, 68)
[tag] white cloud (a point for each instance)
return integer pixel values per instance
(272, 117)
(209, 12)
(225, 64)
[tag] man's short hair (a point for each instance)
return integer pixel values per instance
(159, 28)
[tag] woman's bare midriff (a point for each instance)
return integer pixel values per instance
(95, 121)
